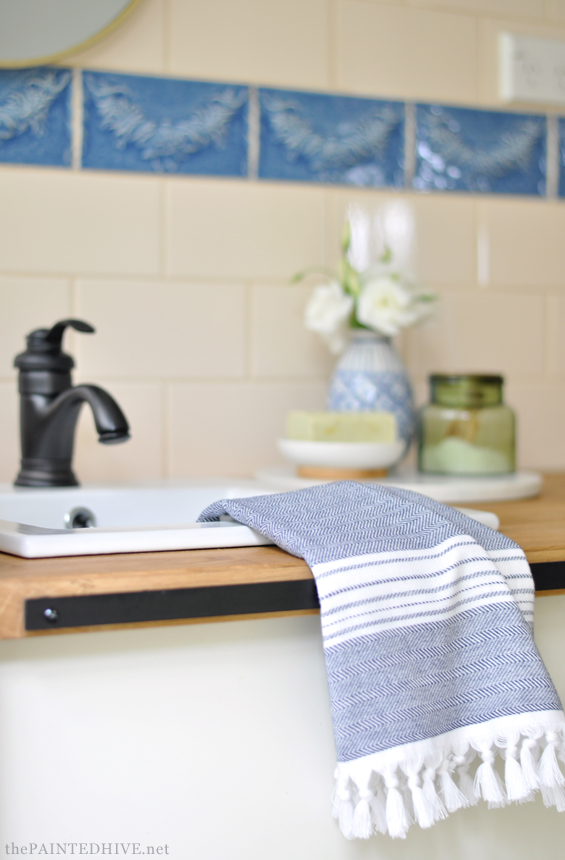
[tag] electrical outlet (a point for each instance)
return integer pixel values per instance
(531, 70)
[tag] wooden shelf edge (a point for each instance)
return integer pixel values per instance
(538, 525)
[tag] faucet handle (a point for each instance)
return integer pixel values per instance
(44, 353)
(55, 335)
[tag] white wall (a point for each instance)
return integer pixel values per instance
(215, 739)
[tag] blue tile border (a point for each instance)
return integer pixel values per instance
(35, 116)
(152, 124)
(561, 127)
(149, 124)
(314, 137)
(462, 149)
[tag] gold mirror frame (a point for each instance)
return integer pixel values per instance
(74, 49)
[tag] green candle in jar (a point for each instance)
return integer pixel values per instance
(467, 429)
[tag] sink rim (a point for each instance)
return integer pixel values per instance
(32, 541)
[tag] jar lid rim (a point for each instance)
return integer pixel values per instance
(467, 377)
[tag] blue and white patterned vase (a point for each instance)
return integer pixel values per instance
(370, 377)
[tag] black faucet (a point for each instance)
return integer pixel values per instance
(49, 409)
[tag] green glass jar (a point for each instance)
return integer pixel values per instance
(467, 429)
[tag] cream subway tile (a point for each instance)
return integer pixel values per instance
(525, 242)
(555, 342)
(141, 456)
(60, 221)
(162, 330)
(540, 411)
(488, 33)
(238, 230)
(281, 42)
(281, 346)
(232, 429)
(9, 432)
(522, 9)
(27, 304)
(137, 45)
(555, 10)
(483, 333)
(434, 235)
(406, 53)
(446, 243)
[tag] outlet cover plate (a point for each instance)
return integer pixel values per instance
(531, 70)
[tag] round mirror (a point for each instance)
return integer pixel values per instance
(41, 31)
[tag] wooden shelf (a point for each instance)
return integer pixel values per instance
(538, 525)
(151, 587)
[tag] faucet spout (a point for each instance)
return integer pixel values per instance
(48, 432)
(111, 423)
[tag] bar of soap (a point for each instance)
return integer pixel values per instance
(342, 426)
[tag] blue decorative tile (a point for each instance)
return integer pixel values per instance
(562, 157)
(474, 150)
(322, 138)
(160, 124)
(35, 116)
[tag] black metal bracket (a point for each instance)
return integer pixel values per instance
(87, 610)
(548, 575)
(48, 613)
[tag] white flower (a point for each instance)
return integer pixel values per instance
(387, 305)
(328, 313)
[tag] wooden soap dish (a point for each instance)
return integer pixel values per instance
(330, 473)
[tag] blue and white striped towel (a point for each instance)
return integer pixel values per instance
(427, 622)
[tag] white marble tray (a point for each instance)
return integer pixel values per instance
(520, 485)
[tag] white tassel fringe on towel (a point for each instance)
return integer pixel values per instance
(434, 775)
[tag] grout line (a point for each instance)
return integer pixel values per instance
(213, 381)
(74, 297)
(167, 35)
(451, 9)
(479, 49)
(483, 248)
(165, 430)
(253, 133)
(164, 249)
(327, 221)
(248, 332)
(332, 44)
(409, 144)
(71, 336)
(150, 279)
(157, 281)
(549, 309)
(483, 257)
(77, 120)
(552, 158)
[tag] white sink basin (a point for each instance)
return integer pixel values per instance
(38, 523)
(144, 518)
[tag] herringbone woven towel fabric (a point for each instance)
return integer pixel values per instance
(427, 622)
